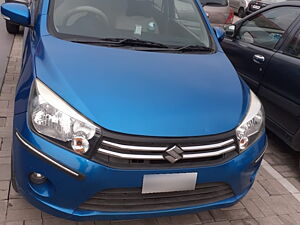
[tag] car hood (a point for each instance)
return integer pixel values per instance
(144, 93)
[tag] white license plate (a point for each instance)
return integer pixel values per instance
(158, 183)
(256, 7)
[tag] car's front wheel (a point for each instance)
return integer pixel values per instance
(12, 28)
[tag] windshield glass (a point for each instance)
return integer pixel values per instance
(168, 22)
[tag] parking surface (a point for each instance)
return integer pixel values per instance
(274, 198)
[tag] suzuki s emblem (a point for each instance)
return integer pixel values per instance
(173, 154)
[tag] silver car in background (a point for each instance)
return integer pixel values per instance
(218, 11)
(239, 7)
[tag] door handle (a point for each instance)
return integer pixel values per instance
(259, 59)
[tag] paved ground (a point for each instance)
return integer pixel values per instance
(274, 198)
(5, 47)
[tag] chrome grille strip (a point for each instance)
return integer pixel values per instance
(207, 147)
(130, 156)
(164, 148)
(160, 157)
(132, 147)
(209, 154)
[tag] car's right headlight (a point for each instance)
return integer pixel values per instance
(252, 125)
(52, 117)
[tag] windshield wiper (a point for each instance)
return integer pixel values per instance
(181, 49)
(149, 45)
(121, 42)
(192, 48)
(137, 42)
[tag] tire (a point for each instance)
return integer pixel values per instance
(12, 28)
(241, 13)
(13, 178)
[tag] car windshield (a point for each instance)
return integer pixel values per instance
(165, 22)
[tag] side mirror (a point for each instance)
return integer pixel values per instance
(230, 31)
(16, 13)
(220, 33)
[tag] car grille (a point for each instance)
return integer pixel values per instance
(147, 152)
(132, 199)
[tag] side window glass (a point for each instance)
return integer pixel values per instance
(267, 28)
(293, 48)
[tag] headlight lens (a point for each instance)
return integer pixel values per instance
(54, 118)
(253, 124)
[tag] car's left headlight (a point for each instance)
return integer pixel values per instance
(252, 125)
(52, 117)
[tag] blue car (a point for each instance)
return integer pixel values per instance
(129, 109)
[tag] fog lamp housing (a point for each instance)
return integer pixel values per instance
(37, 178)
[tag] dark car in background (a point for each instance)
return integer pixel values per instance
(265, 50)
(255, 5)
(11, 27)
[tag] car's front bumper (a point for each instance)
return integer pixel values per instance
(64, 192)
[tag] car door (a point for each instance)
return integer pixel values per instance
(280, 87)
(256, 41)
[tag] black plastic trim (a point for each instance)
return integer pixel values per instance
(165, 140)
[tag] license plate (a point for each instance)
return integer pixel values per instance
(158, 183)
(256, 7)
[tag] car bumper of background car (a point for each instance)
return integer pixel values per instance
(72, 179)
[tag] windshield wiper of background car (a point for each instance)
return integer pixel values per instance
(119, 42)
